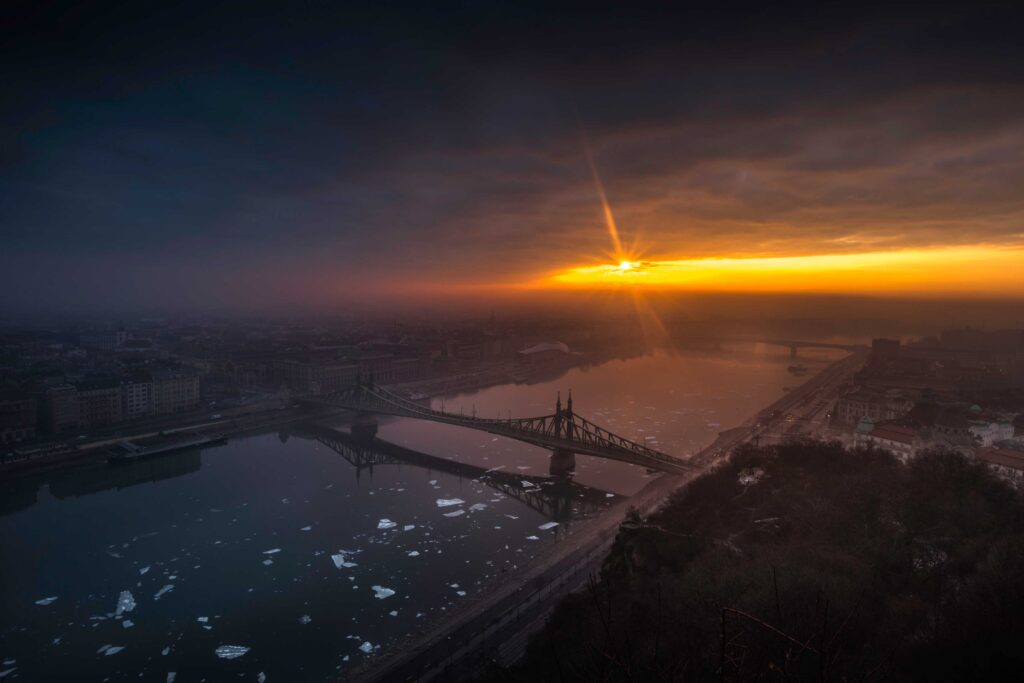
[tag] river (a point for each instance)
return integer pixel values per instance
(281, 546)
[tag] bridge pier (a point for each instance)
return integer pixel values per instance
(563, 462)
(364, 427)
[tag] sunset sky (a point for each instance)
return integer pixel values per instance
(319, 153)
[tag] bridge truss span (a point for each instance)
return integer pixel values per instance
(562, 431)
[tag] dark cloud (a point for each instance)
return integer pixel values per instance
(343, 147)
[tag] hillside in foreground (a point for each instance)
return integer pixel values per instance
(804, 562)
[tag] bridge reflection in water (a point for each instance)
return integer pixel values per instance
(558, 498)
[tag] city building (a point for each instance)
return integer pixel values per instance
(174, 390)
(137, 399)
(103, 340)
(61, 409)
(1005, 462)
(879, 406)
(899, 440)
(98, 404)
(17, 418)
(316, 378)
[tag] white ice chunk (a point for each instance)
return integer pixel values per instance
(366, 647)
(380, 592)
(144, 570)
(305, 619)
(609, 495)
(532, 538)
(414, 553)
(46, 601)
(167, 588)
(261, 677)
(7, 672)
(432, 482)
(268, 562)
(113, 650)
(127, 623)
(408, 527)
(547, 525)
(341, 561)
(306, 528)
(103, 648)
(393, 613)
(166, 651)
(125, 603)
(272, 551)
(202, 620)
(477, 507)
(230, 651)
(448, 502)
(455, 513)
(171, 675)
(461, 594)
(386, 524)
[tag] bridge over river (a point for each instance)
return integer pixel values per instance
(563, 432)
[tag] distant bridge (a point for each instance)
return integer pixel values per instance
(563, 432)
(557, 498)
(792, 344)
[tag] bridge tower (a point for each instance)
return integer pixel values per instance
(563, 460)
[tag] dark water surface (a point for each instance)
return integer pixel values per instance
(238, 545)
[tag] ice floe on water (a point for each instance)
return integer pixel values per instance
(166, 589)
(455, 513)
(125, 603)
(202, 620)
(340, 559)
(268, 562)
(144, 570)
(366, 647)
(6, 672)
(414, 553)
(230, 651)
(272, 551)
(449, 502)
(261, 677)
(127, 623)
(408, 527)
(533, 538)
(305, 619)
(547, 525)
(306, 528)
(380, 592)
(171, 675)
(477, 507)
(386, 524)
(108, 650)
(46, 601)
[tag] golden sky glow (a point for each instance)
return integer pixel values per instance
(990, 270)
